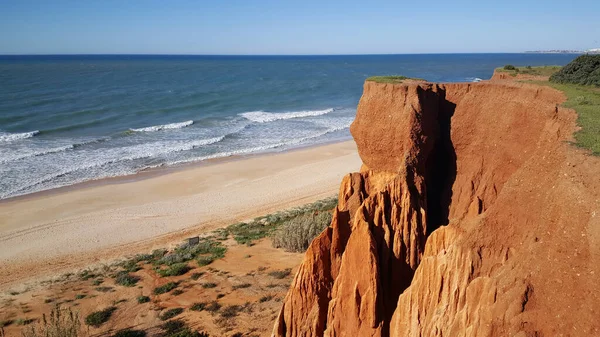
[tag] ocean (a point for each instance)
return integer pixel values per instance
(69, 119)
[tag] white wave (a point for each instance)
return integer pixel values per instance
(34, 153)
(265, 117)
(110, 156)
(11, 137)
(263, 148)
(24, 153)
(164, 127)
(474, 79)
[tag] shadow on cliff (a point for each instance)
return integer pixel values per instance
(441, 169)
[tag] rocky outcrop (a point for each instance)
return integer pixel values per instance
(459, 223)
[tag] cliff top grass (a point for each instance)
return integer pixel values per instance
(394, 79)
(585, 100)
(529, 70)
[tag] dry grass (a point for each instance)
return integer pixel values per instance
(296, 234)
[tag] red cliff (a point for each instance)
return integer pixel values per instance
(471, 216)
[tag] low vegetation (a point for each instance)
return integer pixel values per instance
(280, 274)
(60, 323)
(125, 279)
(261, 227)
(98, 318)
(165, 288)
(175, 269)
(296, 234)
(130, 333)
(529, 70)
(585, 100)
(584, 70)
(143, 299)
(170, 313)
(178, 328)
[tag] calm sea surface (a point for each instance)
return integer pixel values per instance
(69, 119)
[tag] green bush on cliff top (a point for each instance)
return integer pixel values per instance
(584, 70)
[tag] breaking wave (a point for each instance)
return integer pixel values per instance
(11, 137)
(164, 127)
(265, 117)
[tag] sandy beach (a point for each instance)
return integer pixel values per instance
(49, 233)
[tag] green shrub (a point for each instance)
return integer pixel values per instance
(509, 67)
(60, 323)
(170, 313)
(125, 279)
(584, 70)
(143, 299)
(80, 296)
(213, 306)
(177, 292)
(205, 260)
(231, 311)
(261, 227)
(173, 326)
(98, 282)
(130, 266)
(297, 234)
(241, 286)
(98, 318)
(209, 285)
(280, 274)
(130, 333)
(196, 276)
(165, 288)
(265, 298)
(175, 269)
(198, 306)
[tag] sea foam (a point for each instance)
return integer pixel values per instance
(11, 137)
(164, 127)
(265, 117)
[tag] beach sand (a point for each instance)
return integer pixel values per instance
(49, 233)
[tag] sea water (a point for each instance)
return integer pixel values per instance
(70, 119)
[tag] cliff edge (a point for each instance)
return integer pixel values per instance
(471, 216)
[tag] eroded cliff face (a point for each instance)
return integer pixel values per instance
(471, 216)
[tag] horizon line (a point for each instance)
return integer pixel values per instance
(259, 55)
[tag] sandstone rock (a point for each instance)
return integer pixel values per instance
(459, 223)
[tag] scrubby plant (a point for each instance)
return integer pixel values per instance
(297, 234)
(241, 286)
(261, 227)
(196, 276)
(60, 323)
(198, 306)
(280, 274)
(266, 298)
(509, 67)
(213, 306)
(80, 296)
(177, 292)
(125, 279)
(165, 288)
(209, 285)
(231, 311)
(130, 333)
(584, 70)
(175, 269)
(170, 313)
(143, 299)
(98, 318)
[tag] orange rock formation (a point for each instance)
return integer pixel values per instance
(471, 216)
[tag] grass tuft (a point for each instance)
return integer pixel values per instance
(165, 288)
(170, 313)
(98, 318)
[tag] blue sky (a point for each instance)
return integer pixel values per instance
(295, 27)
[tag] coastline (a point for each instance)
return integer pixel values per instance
(50, 232)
